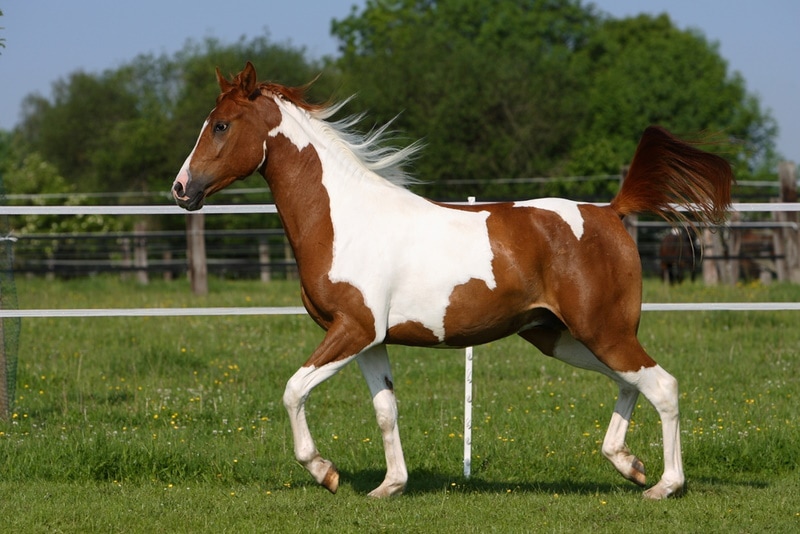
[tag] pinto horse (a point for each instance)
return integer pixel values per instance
(380, 265)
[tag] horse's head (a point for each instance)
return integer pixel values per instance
(232, 143)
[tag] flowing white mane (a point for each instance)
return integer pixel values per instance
(371, 149)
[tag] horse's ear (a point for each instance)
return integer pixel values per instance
(247, 79)
(224, 84)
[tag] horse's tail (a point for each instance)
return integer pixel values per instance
(667, 173)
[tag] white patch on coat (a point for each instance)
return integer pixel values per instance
(264, 157)
(566, 209)
(405, 254)
(292, 129)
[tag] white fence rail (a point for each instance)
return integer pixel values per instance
(299, 310)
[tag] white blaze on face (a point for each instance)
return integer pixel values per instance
(566, 209)
(405, 254)
(183, 174)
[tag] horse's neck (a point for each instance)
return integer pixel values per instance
(314, 175)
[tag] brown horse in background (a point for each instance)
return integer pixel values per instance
(679, 253)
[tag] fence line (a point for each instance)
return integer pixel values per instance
(134, 210)
(153, 312)
(743, 207)
(299, 310)
(270, 208)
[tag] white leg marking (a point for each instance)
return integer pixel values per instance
(614, 446)
(297, 390)
(658, 387)
(661, 389)
(375, 366)
(573, 352)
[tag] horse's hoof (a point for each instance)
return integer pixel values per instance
(331, 480)
(663, 490)
(637, 474)
(387, 490)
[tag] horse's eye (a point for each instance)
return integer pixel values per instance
(220, 127)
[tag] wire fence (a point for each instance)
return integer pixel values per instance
(271, 209)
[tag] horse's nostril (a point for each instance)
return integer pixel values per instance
(178, 188)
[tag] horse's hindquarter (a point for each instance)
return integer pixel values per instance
(553, 261)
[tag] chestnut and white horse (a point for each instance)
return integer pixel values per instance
(380, 265)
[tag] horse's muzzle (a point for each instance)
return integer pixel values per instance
(186, 201)
(186, 192)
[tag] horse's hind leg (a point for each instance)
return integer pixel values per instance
(614, 446)
(661, 389)
(374, 365)
(652, 381)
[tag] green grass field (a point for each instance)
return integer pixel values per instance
(177, 425)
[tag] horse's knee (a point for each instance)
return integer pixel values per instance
(661, 389)
(292, 395)
(385, 409)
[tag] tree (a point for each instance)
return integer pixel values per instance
(490, 85)
(2, 39)
(527, 88)
(646, 71)
(69, 131)
(29, 174)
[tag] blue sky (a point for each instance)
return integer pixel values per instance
(48, 39)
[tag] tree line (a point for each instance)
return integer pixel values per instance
(498, 90)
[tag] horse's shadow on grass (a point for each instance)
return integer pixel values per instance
(426, 481)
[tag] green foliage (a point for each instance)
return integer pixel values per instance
(535, 88)
(490, 86)
(500, 91)
(129, 129)
(646, 71)
(28, 175)
(72, 129)
(176, 423)
(2, 39)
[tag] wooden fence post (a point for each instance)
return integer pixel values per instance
(140, 251)
(789, 233)
(127, 257)
(732, 266)
(264, 260)
(196, 252)
(712, 246)
(288, 253)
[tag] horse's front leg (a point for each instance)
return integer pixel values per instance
(375, 366)
(336, 351)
